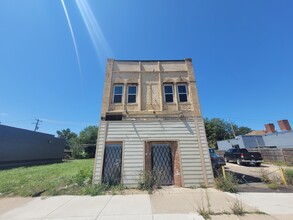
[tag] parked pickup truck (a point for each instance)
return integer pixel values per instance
(242, 156)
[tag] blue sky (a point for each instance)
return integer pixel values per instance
(242, 53)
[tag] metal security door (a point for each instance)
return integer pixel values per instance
(112, 164)
(162, 164)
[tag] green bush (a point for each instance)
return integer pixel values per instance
(84, 176)
(76, 152)
(84, 155)
(228, 185)
(289, 176)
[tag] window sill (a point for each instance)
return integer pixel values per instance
(169, 103)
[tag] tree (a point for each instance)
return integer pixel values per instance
(218, 129)
(242, 130)
(89, 135)
(69, 136)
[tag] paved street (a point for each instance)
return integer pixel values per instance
(167, 203)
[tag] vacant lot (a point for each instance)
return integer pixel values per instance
(68, 177)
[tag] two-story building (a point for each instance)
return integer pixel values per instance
(151, 121)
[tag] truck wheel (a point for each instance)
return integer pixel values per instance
(257, 164)
(239, 162)
(226, 160)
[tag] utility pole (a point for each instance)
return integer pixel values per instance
(232, 128)
(37, 124)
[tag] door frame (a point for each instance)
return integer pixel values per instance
(122, 158)
(176, 159)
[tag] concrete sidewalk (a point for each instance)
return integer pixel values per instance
(279, 205)
(167, 203)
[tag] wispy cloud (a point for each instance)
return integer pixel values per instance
(65, 122)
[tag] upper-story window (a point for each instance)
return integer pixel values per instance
(131, 94)
(182, 92)
(117, 93)
(168, 92)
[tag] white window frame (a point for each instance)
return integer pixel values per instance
(168, 84)
(178, 93)
(132, 85)
(118, 85)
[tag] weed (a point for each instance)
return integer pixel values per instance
(148, 181)
(228, 185)
(278, 163)
(95, 190)
(237, 208)
(203, 185)
(289, 176)
(264, 176)
(117, 189)
(202, 210)
(273, 184)
(259, 212)
(84, 176)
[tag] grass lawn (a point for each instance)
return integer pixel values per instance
(70, 177)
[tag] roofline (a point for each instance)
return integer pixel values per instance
(188, 59)
(23, 129)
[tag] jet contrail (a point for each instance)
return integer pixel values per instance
(73, 37)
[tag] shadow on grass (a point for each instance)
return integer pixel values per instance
(28, 163)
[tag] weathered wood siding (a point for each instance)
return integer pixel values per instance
(135, 133)
(275, 154)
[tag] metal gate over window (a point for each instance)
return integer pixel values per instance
(162, 164)
(112, 164)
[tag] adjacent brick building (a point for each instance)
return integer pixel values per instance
(151, 121)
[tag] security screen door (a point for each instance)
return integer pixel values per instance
(162, 164)
(112, 164)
